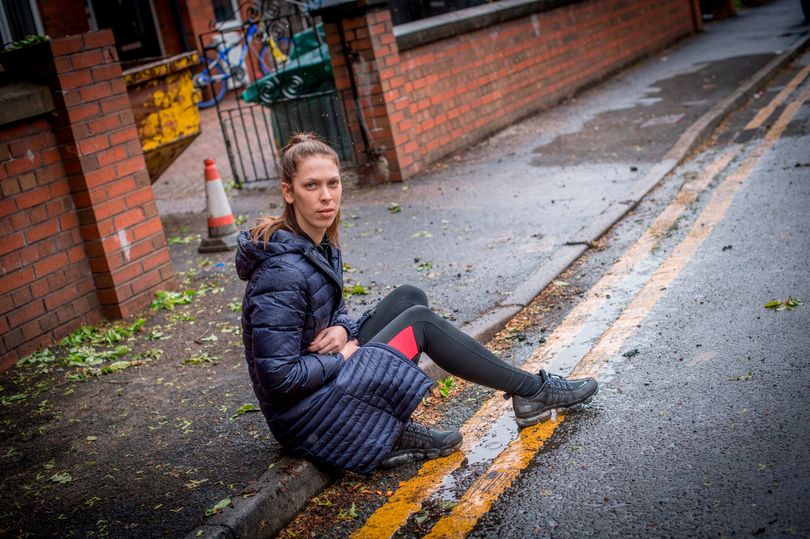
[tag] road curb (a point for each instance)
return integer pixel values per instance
(281, 492)
(285, 489)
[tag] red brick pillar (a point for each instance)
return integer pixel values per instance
(107, 175)
(367, 33)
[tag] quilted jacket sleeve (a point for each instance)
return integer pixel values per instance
(275, 312)
(341, 316)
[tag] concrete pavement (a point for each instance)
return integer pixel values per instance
(505, 217)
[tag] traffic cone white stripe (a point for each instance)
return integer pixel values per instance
(221, 224)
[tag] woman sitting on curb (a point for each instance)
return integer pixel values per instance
(340, 392)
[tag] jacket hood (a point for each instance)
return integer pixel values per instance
(250, 255)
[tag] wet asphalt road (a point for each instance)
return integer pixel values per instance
(704, 432)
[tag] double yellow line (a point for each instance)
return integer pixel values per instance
(479, 497)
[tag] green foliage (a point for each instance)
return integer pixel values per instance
(166, 300)
(11, 399)
(245, 409)
(789, 304)
(61, 478)
(199, 359)
(220, 505)
(445, 386)
(349, 514)
(96, 336)
(38, 358)
(183, 240)
(86, 356)
(355, 290)
(423, 266)
(27, 41)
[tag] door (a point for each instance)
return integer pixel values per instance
(133, 25)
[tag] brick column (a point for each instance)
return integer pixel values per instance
(367, 32)
(108, 181)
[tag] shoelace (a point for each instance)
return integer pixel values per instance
(414, 432)
(554, 380)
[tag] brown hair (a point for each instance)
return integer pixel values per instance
(299, 147)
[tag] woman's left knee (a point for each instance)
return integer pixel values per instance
(411, 294)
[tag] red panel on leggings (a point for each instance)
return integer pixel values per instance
(405, 342)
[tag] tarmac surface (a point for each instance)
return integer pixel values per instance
(701, 426)
(166, 439)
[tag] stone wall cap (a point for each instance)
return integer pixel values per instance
(20, 100)
(424, 31)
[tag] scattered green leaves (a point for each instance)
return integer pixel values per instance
(445, 386)
(116, 366)
(235, 306)
(241, 219)
(789, 304)
(61, 478)
(393, 207)
(11, 399)
(105, 335)
(38, 358)
(355, 290)
(194, 483)
(199, 359)
(423, 266)
(422, 234)
(321, 501)
(558, 282)
(166, 300)
(349, 514)
(220, 505)
(183, 240)
(245, 409)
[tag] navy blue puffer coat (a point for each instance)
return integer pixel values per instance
(340, 413)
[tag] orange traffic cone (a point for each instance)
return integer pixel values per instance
(222, 231)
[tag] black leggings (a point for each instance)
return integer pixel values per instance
(403, 320)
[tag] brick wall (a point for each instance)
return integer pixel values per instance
(78, 206)
(47, 288)
(426, 102)
(63, 17)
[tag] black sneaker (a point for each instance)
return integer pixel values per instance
(556, 393)
(419, 443)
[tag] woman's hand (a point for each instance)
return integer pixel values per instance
(329, 341)
(349, 349)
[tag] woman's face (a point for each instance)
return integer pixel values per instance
(314, 195)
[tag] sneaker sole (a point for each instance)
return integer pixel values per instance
(545, 415)
(417, 456)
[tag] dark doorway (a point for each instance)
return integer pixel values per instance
(133, 26)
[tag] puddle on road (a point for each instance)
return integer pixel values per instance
(646, 129)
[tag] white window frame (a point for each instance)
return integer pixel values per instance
(5, 29)
(234, 22)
